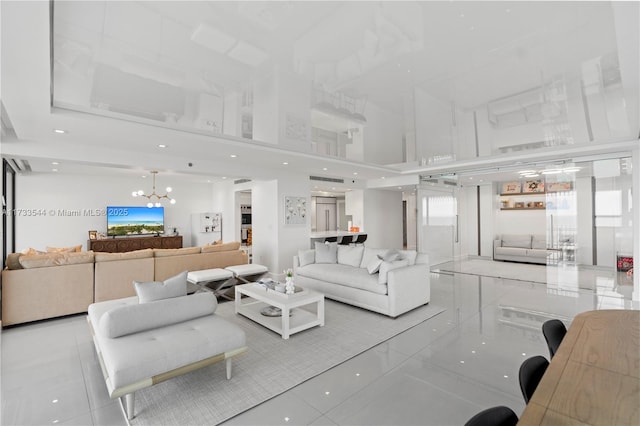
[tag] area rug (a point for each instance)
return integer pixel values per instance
(271, 366)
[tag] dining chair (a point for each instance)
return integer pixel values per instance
(361, 239)
(346, 240)
(553, 331)
(494, 416)
(331, 239)
(531, 372)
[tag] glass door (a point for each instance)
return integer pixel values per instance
(438, 233)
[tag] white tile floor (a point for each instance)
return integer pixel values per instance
(438, 373)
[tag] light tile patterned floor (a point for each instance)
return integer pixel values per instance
(438, 373)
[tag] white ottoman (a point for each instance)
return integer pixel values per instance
(221, 279)
(250, 270)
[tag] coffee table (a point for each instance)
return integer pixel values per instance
(300, 305)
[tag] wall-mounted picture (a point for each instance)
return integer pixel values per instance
(511, 188)
(519, 205)
(559, 186)
(93, 235)
(210, 222)
(532, 186)
(295, 210)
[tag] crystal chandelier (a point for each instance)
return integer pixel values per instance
(154, 199)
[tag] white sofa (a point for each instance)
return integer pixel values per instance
(348, 274)
(142, 344)
(521, 248)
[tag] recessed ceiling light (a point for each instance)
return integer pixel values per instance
(55, 163)
(383, 177)
(572, 169)
(162, 145)
(208, 180)
(285, 163)
(325, 169)
(233, 156)
(54, 170)
(551, 171)
(526, 172)
(224, 177)
(60, 131)
(399, 187)
(355, 173)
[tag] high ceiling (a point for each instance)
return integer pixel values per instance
(135, 55)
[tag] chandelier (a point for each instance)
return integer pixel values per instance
(154, 199)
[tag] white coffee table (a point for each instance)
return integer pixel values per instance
(299, 304)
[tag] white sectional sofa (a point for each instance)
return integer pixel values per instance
(364, 277)
(521, 248)
(142, 344)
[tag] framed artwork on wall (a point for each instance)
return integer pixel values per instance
(511, 188)
(295, 210)
(533, 186)
(93, 235)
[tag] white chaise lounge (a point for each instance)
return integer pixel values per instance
(141, 344)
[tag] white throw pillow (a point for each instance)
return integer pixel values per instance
(307, 257)
(385, 267)
(156, 290)
(370, 253)
(350, 255)
(410, 255)
(390, 256)
(374, 265)
(326, 252)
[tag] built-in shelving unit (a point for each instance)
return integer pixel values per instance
(511, 201)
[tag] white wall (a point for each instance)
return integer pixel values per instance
(264, 223)
(468, 211)
(383, 218)
(54, 193)
(354, 206)
(292, 238)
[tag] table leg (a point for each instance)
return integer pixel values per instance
(321, 311)
(285, 322)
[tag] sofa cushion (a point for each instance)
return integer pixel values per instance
(374, 265)
(520, 241)
(390, 255)
(537, 253)
(73, 249)
(212, 248)
(130, 319)
(175, 252)
(539, 242)
(39, 260)
(347, 276)
(370, 253)
(31, 251)
(326, 252)
(306, 257)
(350, 255)
(136, 254)
(13, 261)
(511, 251)
(410, 255)
(385, 267)
(175, 286)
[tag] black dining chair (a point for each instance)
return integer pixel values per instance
(554, 331)
(361, 239)
(346, 240)
(331, 239)
(494, 416)
(531, 372)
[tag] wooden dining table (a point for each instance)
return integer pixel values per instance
(594, 377)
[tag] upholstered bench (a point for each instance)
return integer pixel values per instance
(217, 280)
(248, 271)
(142, 344)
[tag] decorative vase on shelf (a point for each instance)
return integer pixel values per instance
(289, 286)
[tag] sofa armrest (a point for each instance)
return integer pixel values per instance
(408, 288)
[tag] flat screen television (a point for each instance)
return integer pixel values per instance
(131, 221)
